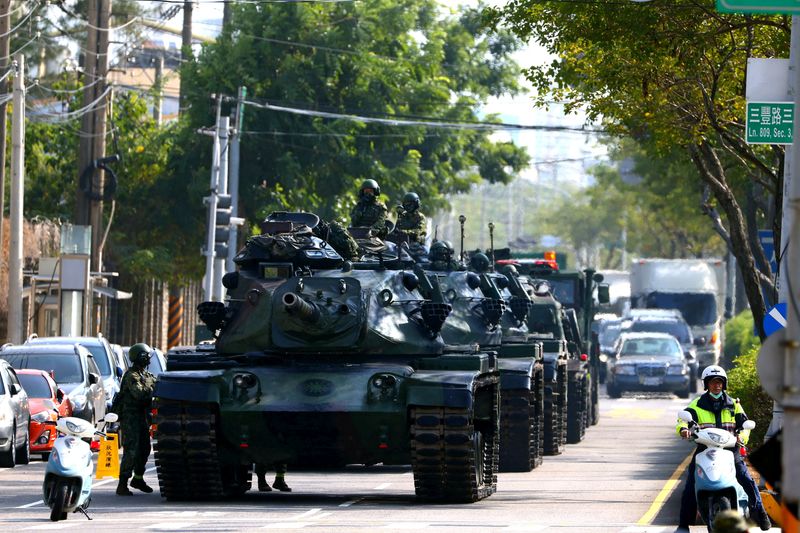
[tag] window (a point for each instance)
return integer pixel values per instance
(677, 329)
(36, 386)
(100, 358)
(66, 367)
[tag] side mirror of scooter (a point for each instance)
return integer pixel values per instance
(686, 416)
(111, 418)
(748, 424)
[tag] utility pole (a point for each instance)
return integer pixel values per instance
(17, 202)
(5, 39)
(208, 279)
(89, 204)
(186, 47)
(159, 87)
(226, 14)
(233, 185)
(220, 256)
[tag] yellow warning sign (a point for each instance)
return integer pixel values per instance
(108, 457)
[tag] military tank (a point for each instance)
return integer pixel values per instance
(484, 315)
(322, 362)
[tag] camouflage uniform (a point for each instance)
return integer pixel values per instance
(413, 224)
(133, 407)
(370, 212)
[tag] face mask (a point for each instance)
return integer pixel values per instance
(715, 396)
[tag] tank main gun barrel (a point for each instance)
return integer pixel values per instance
(295, 305)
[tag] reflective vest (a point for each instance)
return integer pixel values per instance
(730, 417)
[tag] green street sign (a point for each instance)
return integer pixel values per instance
(781, 7)
(769, 122)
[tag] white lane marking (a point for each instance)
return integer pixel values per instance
(382, 486)
(308, 513)
(62, 525)
(351, 502)
(640, 529)
(527, 527)
(288, 525)
(407, 525)
(98, 484)
(171, 526)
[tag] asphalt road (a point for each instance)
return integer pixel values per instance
(620, 479)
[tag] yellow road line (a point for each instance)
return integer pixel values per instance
(658, 503)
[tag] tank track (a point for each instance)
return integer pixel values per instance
(594, 419)
(578, 409)
(443, 458)
(555, 415)
(522, 427)
(187, 454)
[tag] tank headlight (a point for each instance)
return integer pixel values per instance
(244, 381)
(603, 357)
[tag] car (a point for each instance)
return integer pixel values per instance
(110, 370)
(608, 329)
(648, 362)
(119, 356)
(46, 403)
(14, 419)
(670, 322)
(73, 369)
(158, 363)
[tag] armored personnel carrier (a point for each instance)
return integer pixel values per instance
(321, 362)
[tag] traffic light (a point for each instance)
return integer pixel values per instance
(222, 230)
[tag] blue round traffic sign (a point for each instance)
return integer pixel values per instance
(775, 319)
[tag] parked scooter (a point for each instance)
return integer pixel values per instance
(68, 475)
(715, 485)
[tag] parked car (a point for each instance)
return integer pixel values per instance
(119, 357)
(670, 321)
(158, 362)
(46, 403)
(648, 362)
(110, 370)
(73, 369)
(14, 419)
(608, 329)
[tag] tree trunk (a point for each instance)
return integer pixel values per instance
(713, 174)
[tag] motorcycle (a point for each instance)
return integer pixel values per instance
(68, 475)
(715, 485)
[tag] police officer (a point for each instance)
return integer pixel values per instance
(410, 220)
(133, 404)
(715, 408)
(370, 211)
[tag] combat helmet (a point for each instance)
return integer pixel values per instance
(480, 263)
(411, 201)
(369, 184)
(139, 354)
(441, 251)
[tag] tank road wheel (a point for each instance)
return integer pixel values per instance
(186, 454)
(538, 416)
(595, 397)
(563, 403)
(518, 446)
(575, 410)
(454, 457)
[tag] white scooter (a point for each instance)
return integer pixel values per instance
(68, 475)
(715, 485)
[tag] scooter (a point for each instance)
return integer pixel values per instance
(715, 485)
(68, 475)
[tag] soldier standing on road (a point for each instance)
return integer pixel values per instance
(278, 484)
(133, 404)
(410, 220)
(369, 211)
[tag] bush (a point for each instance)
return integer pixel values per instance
(739, 336)
(743, 383)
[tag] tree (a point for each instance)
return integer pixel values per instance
(669, 76)
(395, 59)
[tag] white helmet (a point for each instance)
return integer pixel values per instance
(715, 371)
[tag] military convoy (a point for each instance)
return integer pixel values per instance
(322, 362)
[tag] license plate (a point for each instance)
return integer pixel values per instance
(651, 381)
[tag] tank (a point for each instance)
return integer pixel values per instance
(485, 315)
(318, 362)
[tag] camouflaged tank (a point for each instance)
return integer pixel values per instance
(319, 362)
(484, 315)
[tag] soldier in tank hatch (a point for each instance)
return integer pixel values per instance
(370, 211)
(410, 220)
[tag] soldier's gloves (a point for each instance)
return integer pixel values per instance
(685, 433)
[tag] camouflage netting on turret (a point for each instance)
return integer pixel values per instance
(299, 246)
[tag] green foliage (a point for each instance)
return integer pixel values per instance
(743, 383)
(381, 59)
(739, 336)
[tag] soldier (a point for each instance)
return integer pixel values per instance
(369, 211)
(441, 256)
(278, 484)
(133, 404)
(410, 220)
